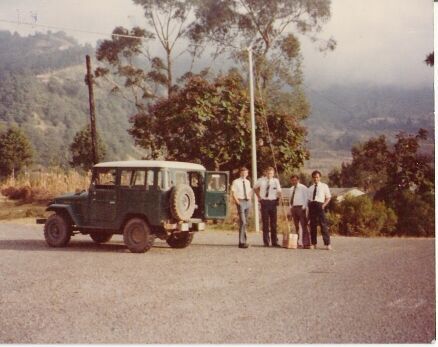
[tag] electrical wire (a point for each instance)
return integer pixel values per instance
(70, 29)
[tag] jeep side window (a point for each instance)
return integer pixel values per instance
(138, 179)
(149, 179)
(106, 178)
(125, 178)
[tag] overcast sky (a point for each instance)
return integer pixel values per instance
(379, 41)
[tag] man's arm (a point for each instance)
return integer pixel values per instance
(279, 194)
(233, 191)
(328, 196)
(256, 189)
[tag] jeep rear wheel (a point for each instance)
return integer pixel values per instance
(180, 240)
(56, 231)
(182, 202)
(137, 236)
(100, 237)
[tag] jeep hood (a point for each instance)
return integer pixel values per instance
(70, 197)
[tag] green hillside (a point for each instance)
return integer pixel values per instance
(42, 91)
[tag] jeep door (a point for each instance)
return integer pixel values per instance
(137, 194)
(103, 198)
(216, 195)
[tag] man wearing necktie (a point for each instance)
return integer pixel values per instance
(268, 191)
(298, 206)
(319, 196)
(242, 194)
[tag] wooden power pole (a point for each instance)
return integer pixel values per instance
(89, 80)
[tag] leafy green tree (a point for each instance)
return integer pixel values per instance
(15, 152)
(167, 22)
(266, 26)
(402, 176)
(208, 122)
(81, 150)
(368, 167)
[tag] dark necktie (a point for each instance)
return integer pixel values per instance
(244, 190)
(267, 190)
(314, 192)
(293, 195)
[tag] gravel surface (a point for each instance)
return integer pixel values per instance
(364, 291)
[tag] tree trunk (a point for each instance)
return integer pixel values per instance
(169, 74)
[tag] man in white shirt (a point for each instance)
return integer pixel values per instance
(319, 196)
(268, 191)
(298, 206)
(242, 194)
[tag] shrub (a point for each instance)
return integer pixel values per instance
(360, 216)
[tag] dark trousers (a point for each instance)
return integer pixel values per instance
(299, 217)
(243, 210)
(317, 216)
(269, 220)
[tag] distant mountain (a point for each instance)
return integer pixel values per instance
(42, 91)
(345, 115)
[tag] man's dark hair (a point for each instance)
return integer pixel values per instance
(243, 168)
(295, 176)
(316, 172)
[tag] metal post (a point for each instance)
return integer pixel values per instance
(89, 81)
(253, 141)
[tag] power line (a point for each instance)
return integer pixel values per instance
(70, 29)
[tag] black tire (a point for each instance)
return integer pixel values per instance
(100, 237)
(57, 231)
(137, 236)
(182, 202)
(180, 240)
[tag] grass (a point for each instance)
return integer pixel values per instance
(42, 186)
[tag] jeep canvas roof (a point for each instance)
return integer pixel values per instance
(152, 164)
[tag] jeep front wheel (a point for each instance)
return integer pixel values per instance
(137, 236)
(56, 231)
(100, 237)
(182, 202)
(180, 240)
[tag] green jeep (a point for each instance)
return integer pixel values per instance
(141, 199)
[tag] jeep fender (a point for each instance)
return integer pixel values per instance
(66, 209)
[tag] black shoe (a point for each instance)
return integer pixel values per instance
(243, 245)
(266, 245)
(276, 245)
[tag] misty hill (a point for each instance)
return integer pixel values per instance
(42, 91)
(345, 115)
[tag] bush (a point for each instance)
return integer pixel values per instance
(416, 213)
(360, 216)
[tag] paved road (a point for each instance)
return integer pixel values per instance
(366, 290)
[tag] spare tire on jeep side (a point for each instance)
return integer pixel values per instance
(182, 202)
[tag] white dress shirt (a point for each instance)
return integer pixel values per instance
(237, 188)
(300, 197)
(274, 188)
(322, 192)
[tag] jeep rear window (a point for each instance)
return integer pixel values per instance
(106, 177)
(180, 177)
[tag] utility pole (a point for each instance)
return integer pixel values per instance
(253, 141)
(89, 80)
